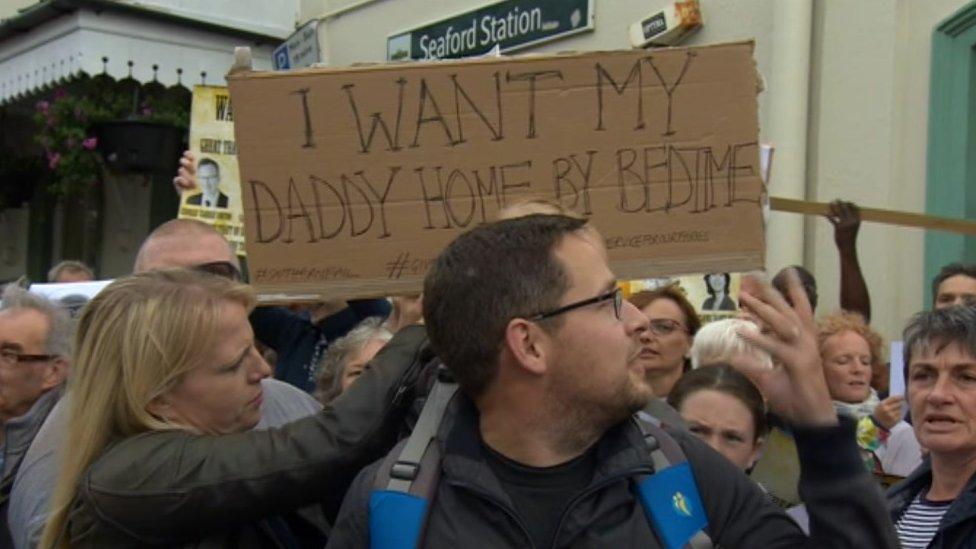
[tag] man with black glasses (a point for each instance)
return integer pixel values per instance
(35, 350)
(540, 447)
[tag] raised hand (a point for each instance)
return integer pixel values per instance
(888, 411)
(186, 175)
(846, 219)
(407, 310)
(795, 386)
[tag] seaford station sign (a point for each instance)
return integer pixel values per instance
(509, 25)
(357, 178)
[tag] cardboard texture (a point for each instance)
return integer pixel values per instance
(354, 179)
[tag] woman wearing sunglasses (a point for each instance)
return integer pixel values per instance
(666, 345)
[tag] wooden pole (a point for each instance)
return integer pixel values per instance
(905, 219)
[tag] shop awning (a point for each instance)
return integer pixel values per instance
(57, 39)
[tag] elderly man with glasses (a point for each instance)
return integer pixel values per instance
(35, 346)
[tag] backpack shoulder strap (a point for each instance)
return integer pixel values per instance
(670, 496)
(664, 450)
(407, 479)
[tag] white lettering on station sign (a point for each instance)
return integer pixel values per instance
(508, 25)
(301, 49)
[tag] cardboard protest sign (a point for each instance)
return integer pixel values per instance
(354, 179)
(218, 201)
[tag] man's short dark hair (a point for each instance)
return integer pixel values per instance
(806, 279)
(208, 162)
(949, 271)
(942, 327)
(485, 278)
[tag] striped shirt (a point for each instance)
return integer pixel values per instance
(919, 523)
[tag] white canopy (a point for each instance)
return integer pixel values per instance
(49, 44)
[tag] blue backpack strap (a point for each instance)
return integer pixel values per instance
(670, 496)
(407, 479)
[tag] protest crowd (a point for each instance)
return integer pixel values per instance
(522, 400)
(527, 397)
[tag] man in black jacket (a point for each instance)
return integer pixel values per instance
(540, 449)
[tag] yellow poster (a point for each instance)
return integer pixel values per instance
(714, 295)
(218, 198)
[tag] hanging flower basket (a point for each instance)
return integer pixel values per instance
(135, 146)
(97, 122)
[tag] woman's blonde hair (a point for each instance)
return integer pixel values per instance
(135, 341)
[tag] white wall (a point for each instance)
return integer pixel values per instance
(275, 18)
(869, 114)
(9, 8)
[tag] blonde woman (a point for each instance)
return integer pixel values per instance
(165, 386)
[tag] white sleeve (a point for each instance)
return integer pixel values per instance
(901, 454)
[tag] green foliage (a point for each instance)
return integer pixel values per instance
(67, 124)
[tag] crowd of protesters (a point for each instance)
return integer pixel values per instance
(522, 400)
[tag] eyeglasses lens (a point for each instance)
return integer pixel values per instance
(663, 327)
(221, 268)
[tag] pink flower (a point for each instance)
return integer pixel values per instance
(146, 111)
(53, 159)
(90, 143)
(43, 106)
(60, 94)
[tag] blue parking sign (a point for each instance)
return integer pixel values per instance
(281, 58)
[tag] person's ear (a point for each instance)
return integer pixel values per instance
(757, 449)
(528, 344)
(160, 407)
(55, 374)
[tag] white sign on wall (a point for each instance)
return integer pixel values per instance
(301, 49)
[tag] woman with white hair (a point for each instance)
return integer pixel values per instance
(719, 342)
(347, 356)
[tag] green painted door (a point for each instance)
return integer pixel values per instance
(951, 160)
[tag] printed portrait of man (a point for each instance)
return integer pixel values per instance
(208, 176)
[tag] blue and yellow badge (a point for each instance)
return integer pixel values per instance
(672, 505)
(681, 504)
